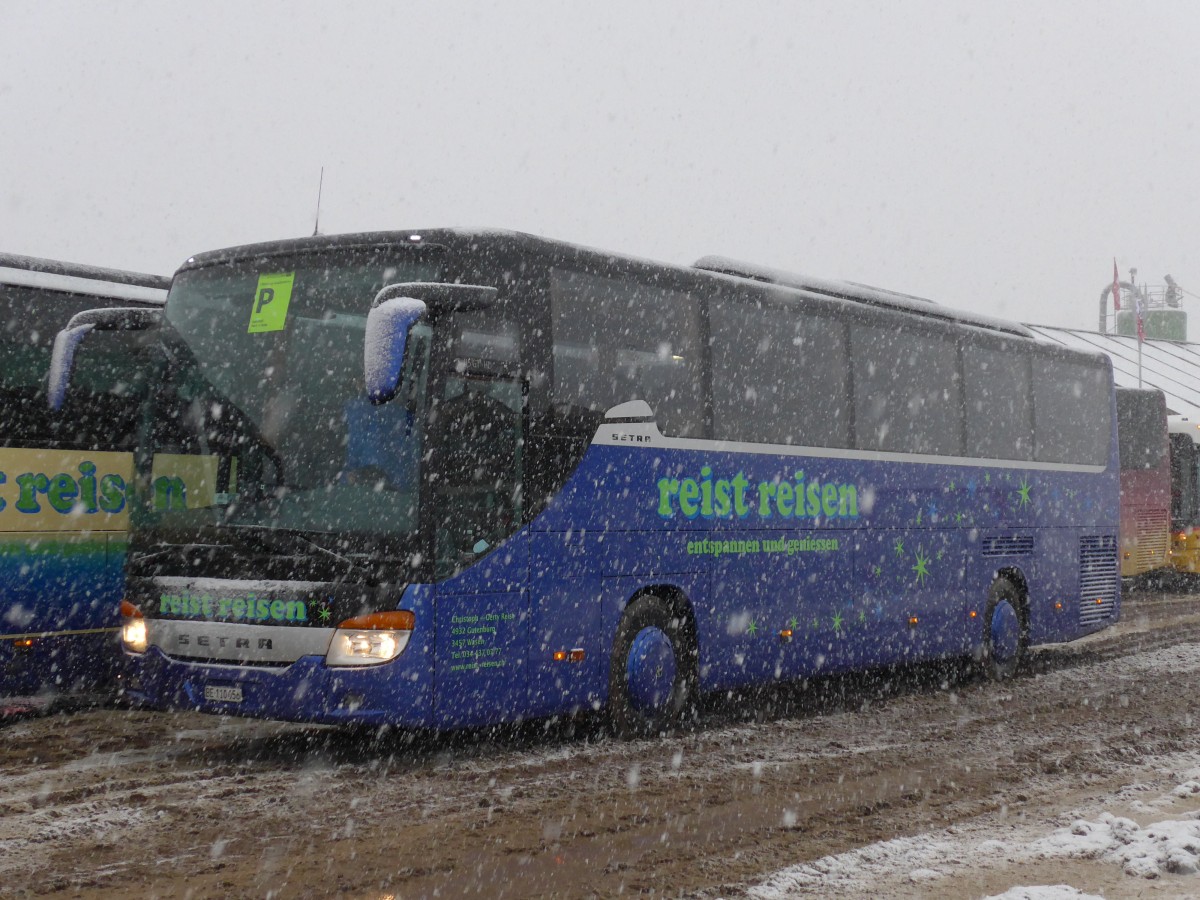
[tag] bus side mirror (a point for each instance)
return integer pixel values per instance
(388, 324)
(395, 310)
(67, 341)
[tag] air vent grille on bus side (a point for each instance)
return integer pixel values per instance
(1152, 527)
(1098, 573)
(1008, 545)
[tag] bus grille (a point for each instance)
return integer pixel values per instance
(1008, 545)
(1097, 578)
(1152, 538)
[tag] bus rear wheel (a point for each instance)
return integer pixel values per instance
(652, 675)
(1005, 636)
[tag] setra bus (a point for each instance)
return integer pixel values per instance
(1145, 481)
(461, 477)
(63, 474)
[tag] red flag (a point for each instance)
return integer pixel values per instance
(1140, 306)
(1116, 287)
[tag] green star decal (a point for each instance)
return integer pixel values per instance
(899, 548)
(877, 570)
(862, 617)
(941, 552)
(922, 566)
(958, 517)
(837, 622)
(816, 623)
(752, 628)
(920, 514)
(324, 614)
(987, 477)
(1023, 493)
(952, 486)
(792, 624)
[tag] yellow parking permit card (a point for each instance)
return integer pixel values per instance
(271, 299)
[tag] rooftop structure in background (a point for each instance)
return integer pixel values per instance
(1163, 317)
(1172, 367)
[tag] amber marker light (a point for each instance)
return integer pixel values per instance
(912, 620)
(133, 629)
(973, 614)
(368, 640)
(577, 654)
(560, 655)
(786, 635)
(1058, 604)
(23, 644)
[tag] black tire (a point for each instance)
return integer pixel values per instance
(636, 709)
(1005, 610)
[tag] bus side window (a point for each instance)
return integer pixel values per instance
(619, 339)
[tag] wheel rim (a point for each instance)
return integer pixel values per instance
(650, 670)
(1006, 632)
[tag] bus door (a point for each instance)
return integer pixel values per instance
(477, 435)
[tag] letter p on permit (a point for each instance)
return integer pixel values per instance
(272, 296)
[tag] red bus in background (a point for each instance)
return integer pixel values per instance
(1146, 488)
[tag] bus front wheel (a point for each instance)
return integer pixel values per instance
(1005, 635)
(652, 675)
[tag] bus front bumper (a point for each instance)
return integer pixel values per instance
(306, 690)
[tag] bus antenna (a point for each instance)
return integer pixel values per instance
(317, 221)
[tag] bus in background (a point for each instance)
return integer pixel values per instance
(1145, 481)
(63, 474)
(1184, 435)
(457, 478)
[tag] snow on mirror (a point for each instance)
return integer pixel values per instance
(388, 324)
(67, 341)
(396, 309)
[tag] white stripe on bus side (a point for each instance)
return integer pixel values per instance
(75, 285)
(646, 436)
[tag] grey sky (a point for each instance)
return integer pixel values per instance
(991, 156)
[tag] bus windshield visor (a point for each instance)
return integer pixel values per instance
(262, 417)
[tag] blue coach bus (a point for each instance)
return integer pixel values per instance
(63, 474)
(463, 477)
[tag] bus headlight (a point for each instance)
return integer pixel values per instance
(371, 639)
(133, 629)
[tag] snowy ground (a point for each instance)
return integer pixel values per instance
(1138, 841)
(1080, 777)
(1142, 839)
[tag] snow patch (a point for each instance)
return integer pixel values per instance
(1044, 892)
(1170, 846)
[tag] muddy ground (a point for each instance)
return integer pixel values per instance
(116, 803)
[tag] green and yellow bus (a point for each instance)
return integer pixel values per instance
(64, 473)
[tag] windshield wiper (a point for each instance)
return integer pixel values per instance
(275, 540)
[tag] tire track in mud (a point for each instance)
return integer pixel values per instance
(106, 802)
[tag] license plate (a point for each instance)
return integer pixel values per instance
(223, 693)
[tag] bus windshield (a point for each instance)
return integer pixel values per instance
(262, 412)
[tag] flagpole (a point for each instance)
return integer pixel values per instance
(1139, 310)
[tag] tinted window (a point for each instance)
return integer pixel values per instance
(779, 376)
(998, 405)
(1072, 416)
(907, 395)
(1141, 429)
(100, 412)
(617, 340)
